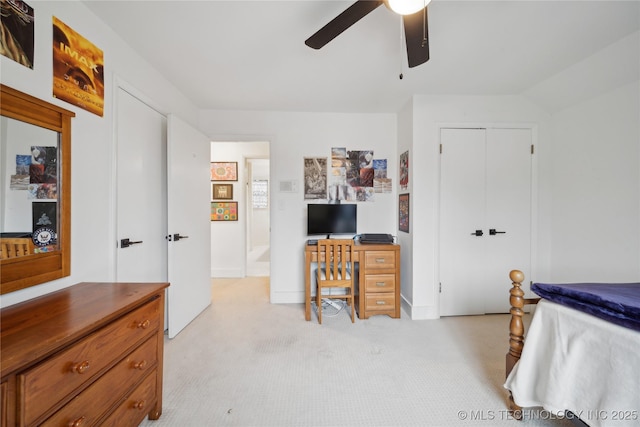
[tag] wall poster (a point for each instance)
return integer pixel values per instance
(17, 24)
(315, 178)
(78, 69)
(404, 170)
(403, 212)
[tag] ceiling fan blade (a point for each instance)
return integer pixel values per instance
(416, 34)
(335, 27)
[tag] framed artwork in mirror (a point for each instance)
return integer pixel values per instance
(222, 191)
(224, 171)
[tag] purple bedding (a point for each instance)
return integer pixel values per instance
(618, 303)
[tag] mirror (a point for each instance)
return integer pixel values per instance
(35, 176)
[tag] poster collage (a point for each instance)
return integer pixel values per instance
(37, 174)
(77, 78)
(355, 176)
(351, 176)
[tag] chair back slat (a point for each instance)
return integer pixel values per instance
(11, 247)
(335, 270)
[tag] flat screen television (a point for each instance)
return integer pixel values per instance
(331, 219)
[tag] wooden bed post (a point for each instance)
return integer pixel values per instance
(516, 329)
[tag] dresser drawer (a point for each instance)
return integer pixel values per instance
(46, 384)
(380, 302)
(380, 283)
(89, 405)
(136, 406)
(380, 260)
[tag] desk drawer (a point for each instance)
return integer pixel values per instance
(380, 283)
(380, 302)
(52, 380)
(380, 260)
(89, 405)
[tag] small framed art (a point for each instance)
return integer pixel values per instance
(224, 171)
(403, 212)
(222, 191)
(224, 211)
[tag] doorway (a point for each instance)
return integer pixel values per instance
(240, 246)
(258, 245)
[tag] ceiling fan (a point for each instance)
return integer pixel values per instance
(414, 17)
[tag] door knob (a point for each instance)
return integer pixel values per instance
(493, 232)
(125, 243)
(477, 233)
(177, 237)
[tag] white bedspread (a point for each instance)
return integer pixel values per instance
(574, 361)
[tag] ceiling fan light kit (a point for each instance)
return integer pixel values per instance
(414, 23)
(406, 7)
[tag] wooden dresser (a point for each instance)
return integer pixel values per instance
(378, 279)
(90, 354)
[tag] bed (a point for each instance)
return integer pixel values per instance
(582, 353)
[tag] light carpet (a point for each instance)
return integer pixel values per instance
(246, 362)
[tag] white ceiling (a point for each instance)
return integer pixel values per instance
(250, 55)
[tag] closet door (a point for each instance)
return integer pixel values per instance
(462, 212)
(485, 217)
(508, 212)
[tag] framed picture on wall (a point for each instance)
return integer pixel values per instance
(224, 171)
(224, 211)
(222, 191)
(403, 212)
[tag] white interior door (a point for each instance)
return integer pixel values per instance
(189, 196)
(141, 203)
(462, 207)
(508, 177)
(485, 186)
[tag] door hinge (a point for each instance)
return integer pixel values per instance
(533, 149)
(440, 148)
(440, 287)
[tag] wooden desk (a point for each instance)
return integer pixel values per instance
(378, 279)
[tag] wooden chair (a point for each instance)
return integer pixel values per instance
(11, 247)
(336, 272)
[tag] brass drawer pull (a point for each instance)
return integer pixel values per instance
(77, 423)
(140, 365)
(145, 324)
(379, 283)
(380, 260)
(139, 405)
(380, 302)
(81, 367)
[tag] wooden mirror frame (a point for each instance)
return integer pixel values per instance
(21, 272)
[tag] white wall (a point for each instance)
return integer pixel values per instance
(92, 232)
(595, 224)
(293, 136)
